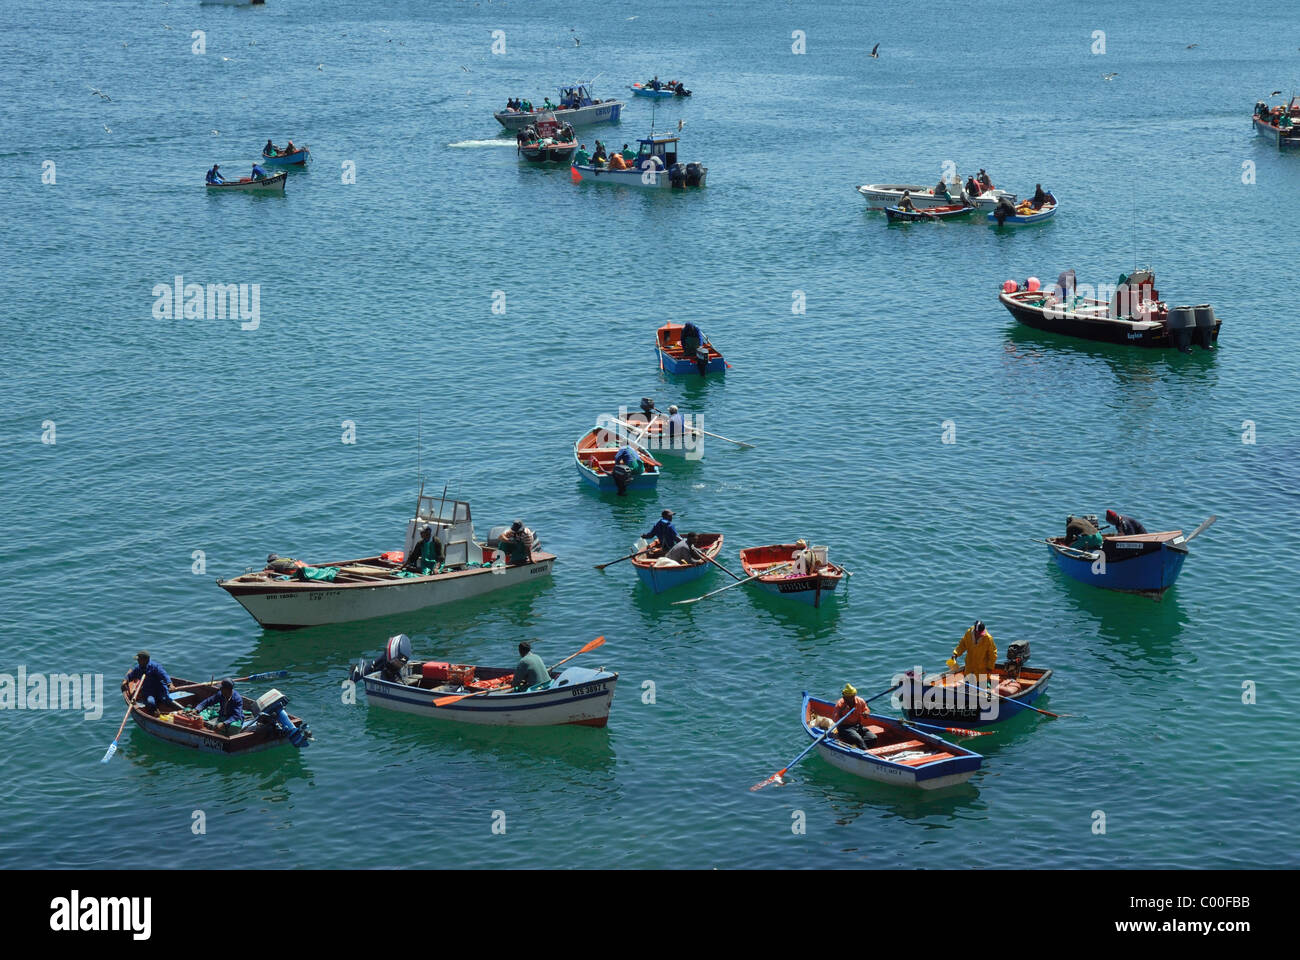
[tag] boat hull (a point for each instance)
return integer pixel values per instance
(645, 180)
(292, 604)
(812, 589)
(951, 764)
(1021, 219)
(607, 112)
(578, 696)
(253, 739)
(638, 90)
(895, 215)
(272, 184)
(296, 159)
(551, 153)
(1275, 135)
(963, 714)
(661, 579)
(1071, 323)
(1149, 572)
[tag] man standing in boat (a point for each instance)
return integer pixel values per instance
(1124, 526)
(675, 429)
(230, 707)
(517, 544)
(531, 670)
(980, 650)
(154, 690)
(853, 731)
(664, 532)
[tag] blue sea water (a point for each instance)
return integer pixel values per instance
(376, 311)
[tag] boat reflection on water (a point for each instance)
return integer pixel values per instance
(1145, 634)
(1058, 354)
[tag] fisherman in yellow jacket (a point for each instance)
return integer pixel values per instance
(981, 652)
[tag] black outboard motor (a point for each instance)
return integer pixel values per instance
(622, 477)
(1182, 324)
(682, 91)
(702, 359)
(1017, 656)
(1205, 323)
(677, 176)
(694, 174)
(1003, 210)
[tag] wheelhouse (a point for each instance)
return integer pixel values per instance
(665, 148)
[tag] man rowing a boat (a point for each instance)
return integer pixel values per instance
(853, 731)
(214, 175)
(980, 650)
(154, 690)
(664, 532)
(230, 707)
(530, 670)
(258, 172)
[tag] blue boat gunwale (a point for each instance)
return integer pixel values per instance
(1149, 570)
(497, 700)
(682, 573)
(961, 759)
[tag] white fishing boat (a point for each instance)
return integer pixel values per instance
(578, 108)
(484, 696)
(880, 196)
(270, 184)
(655, 167)
(288, 593)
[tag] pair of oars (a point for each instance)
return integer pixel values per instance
(444, 701)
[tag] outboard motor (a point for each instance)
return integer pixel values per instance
(702, 359)
(1182, 321)
(396, 655)
(1017, 656)
(648, 406)
(622, 477)
(1205, 322)
(677, 176)
(272, 704)
(694, 173)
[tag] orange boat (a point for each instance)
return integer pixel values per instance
(775, 570)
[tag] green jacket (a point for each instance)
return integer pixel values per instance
(581, 158)
(530, 672)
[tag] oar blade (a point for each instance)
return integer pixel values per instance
(108, 754)
(774, 778)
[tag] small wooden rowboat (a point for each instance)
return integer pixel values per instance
(297, 158)
(659, 573)
(672, 355)
(810, 588)
(902, 756)
(264, 726)
(594, 456)
(1023, 215)
(951, 701)
(576, 695)
(950, 212)
(271, 184)
(1144, 563)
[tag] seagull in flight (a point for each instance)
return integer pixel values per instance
(1109, 76)
(874, 54)
(99, 93)
(1192, 46)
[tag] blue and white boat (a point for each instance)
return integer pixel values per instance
(1023, 214)
(1143, 563)
(673, 357)
(577, 108)
(593, 455)
(655, 167)
(663, 91)
(902, 756)
(660, 574)
(297, 157)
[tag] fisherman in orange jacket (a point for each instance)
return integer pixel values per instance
(853, 731)
(981, 652)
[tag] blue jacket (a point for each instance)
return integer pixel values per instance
(626, 455)
(258, 172)
(691, 330)
(665, 533)
(155, 681)
(214, 177)
(232, 709)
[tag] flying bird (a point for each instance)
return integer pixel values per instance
(1275, 93)
(577, 42)
(106, 128)
(874, 54)
(1109, 76)
(465, 68)
(99, 93)
(1192, 46)
(680, 124)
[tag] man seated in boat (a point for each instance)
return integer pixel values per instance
(906, 202)
(853, 731)
(154, 690)
(517, 544)
(805, 560)
(683, 551)
(664, 532)
(214, 175)
(616, 162)
(1082, 534)
(582, 157)
(980, 650)
(270, 149)
(691, 339)
(941, 190)
(424, 556)
(289, 148)
(530, 671)
(1040, 197)
(1124, 526)
(984, 180)
(258, 173)
(973, 188)
(675, 429)
(600, 157)
(230, 708)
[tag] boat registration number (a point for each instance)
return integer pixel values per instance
(1129, 546)
(587, 690)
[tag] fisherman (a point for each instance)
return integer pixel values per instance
(531, 670)
(1082, 534)
(628, 153)
(984, 180)
(154, 690)
(600, 156)
(627, 465)
(941, 189)
(675, 429)
(289, 147)
(270, 149)
(1004, 209)
(684, 550)
(805, 560)
(517, 544)
(1040, 197)
(853, 731)
(214, 176)
(655, 84)
(230, 706)
(616, 162)
(424, 555)
(1124, 526)
(582, 157)
(973, 188)
(547, 105)
(664, 532)
(906, 202)
(258, 172)
(981, 652)
(691, 339)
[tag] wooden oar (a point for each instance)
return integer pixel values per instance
(112, 747)
(715, 436)
(602, 566)
(443, 701)
(1200, 530)
(1021, 703)
(701, 553)
(782, 772)
(765, 573)
(270, 675)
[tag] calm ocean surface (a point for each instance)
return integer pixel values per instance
(376, 297)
